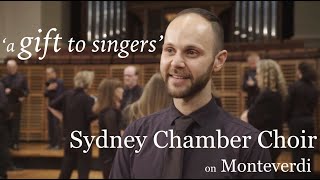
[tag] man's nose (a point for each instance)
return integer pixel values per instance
(178, 61)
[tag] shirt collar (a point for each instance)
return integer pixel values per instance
(201, 116)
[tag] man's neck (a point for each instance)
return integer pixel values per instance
(188, 105)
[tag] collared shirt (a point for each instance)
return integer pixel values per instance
(149, 162)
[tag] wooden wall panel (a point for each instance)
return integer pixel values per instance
(68, 72)
(231, 78)
(116, 71)
(217, 80)
(148, 71)
(231, 103)
(289, 69)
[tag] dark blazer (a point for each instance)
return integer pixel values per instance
(131, 95)
(109, 119)
(267, 113)
(3, 104)
(251, 91)
(76, 107)
(302, 100)
(18, 85)
(52, 94)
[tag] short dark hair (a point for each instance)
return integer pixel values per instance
(216, 24)
(308, 72)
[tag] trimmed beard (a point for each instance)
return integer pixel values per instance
(197, 85)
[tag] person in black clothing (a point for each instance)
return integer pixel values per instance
(192, 52)
(76, 108)
(249, 84)
(4, 138)
(132, 90)
(54, 88)
(16, 89)
(110, 93)
(266, 113)
(301, 103)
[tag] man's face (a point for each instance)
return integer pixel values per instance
(12, 68)
(130, 77)
(252, 61)
(187, 56)
(51, 74)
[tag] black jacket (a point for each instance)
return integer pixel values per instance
(76, 107)
(52, 94)
(252, 91)
(302, 100)
(3, 105)
(131, 95)
(266, 113)
(18, 85)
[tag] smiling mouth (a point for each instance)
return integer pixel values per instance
(178, 76)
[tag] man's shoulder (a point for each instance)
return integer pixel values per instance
(152, 118)
(234, 126)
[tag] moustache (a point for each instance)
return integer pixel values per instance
(179, 72)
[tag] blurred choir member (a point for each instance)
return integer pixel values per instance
(154, 98)
(301, 103)
(250, 85)
(132, 90)
(107, 107)
(54, 88)
(266, 112)
(76, 108)
(16, 89)
(4, 138)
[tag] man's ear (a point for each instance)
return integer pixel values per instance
(219, 60)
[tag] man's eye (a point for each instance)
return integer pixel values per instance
(192, 52)
(169, 50)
